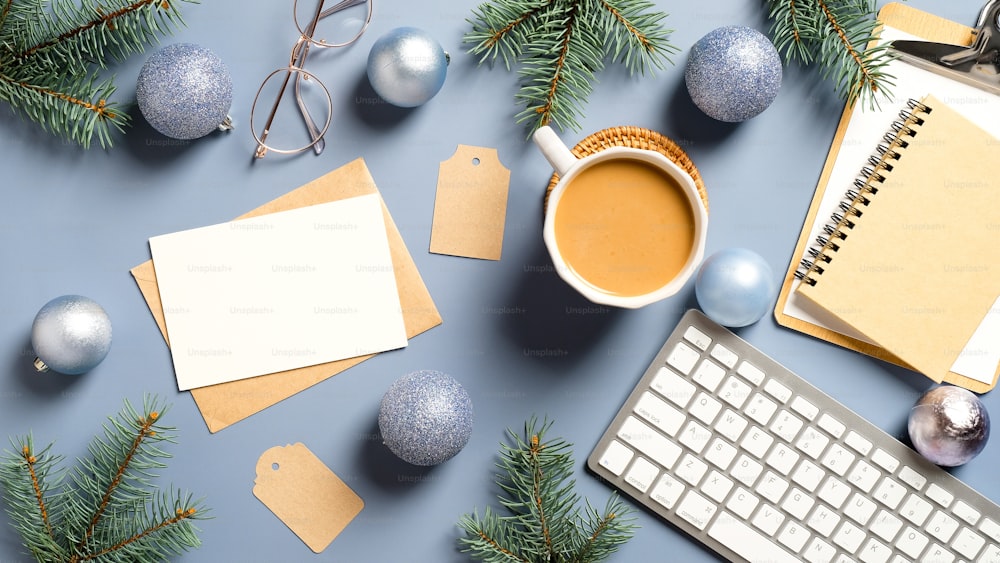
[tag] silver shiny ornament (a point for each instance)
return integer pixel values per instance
(407, 67)
(425, 417)
(71, 334)
(949, 425)
(735, 287)
(185, 91)
(733, 73)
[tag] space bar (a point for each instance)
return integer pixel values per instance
(747, 542)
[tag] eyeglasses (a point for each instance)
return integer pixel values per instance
(341, 25)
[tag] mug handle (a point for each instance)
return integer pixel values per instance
(554, 150)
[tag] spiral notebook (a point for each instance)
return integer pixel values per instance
(857, 135)
(910, 260)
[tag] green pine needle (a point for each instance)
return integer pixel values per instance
(561, 45)
(545, 524)
(834, 34)
(107, 509)
(53, 52)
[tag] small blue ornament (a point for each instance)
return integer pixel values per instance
(407, 67)
(71, 334)
(949, 425)
(735, 287)
(184, 91)
(733, 73)
(425, 417)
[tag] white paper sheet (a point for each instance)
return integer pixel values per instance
(278, 292)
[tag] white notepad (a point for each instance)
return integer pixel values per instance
(278, 292)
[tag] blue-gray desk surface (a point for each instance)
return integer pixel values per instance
(518, 339)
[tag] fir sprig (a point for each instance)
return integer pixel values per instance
(545, 522)
(53, 54)
(107, 508)
(562, 45)
(835, 35)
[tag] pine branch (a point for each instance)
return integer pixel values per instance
(561, 46)
(50, 60)
(834, 35)
(545, 523)
(110, 510)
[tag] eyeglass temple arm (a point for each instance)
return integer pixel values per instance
(342, 5)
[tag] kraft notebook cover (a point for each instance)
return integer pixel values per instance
(911, 263)
(228, 403)
(857, 135)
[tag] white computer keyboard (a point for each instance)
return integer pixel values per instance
(753, 461)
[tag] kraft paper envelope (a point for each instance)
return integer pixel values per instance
(227, 403)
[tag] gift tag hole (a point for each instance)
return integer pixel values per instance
(275, 466)
(475, 162)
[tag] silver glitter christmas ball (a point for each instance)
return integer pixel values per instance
(949, 425)
(425, 417)
(733, 73)
(407, 67)
(185, 91)
(71, 334)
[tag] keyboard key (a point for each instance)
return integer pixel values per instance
(683, 358)
(890, 493)
(768, 519)
(805, 408)
(709, 375)
(940, 496)
(798, 504)
(794, 536)
(786, 425)
(838, 459)
(968, 543)
(909, 476)
(695, 436)
(746, 470)
(875, 552)
(667, 491)
(991, 529)
(660, 413)
(834, 492)
(849, 537)
(757, 442)
(726, 356)
(731, 425)
(942, 526)
(912, 542)
(751, 373)
(831, 425)
(649, 442)
(858, 443)
(697, 337)
(747, 542)
(884, 460)
(885, 525)
(823, 520)
(808, 475)
(782, 458)
(860, 509)
(864, 476)
(616, 457)
(720, 453)
(742, 503)
(717, 486)
(778, 391)
(691, 469)
(760, 409)
(772, 487)
(990, 555)
(820, 552)
(937, 554)
(812, 442)
(735, 392)
(673, 387)
(705, 408)
(696, 510)
(916, 510)
(642, 474)
(965, 512)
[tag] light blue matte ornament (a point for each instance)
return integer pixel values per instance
(735, 287)
(185, 91)
(425, 417)
(71, 334)
(733, 73)
(407, 67)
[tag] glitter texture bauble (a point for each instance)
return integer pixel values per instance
(185, 91)
(407, 67)
(949, 425)
(735, 287)
(71, 334)
(425, 417)
(733, 73)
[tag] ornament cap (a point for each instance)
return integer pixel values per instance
(227, 124)
(40, 366)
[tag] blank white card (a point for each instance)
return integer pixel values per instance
(278, 292)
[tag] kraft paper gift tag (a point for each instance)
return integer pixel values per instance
(470, 207)
(305, 494)
(228, 403)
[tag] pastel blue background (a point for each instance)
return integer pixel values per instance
(519, 340)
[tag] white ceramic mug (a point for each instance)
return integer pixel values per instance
(569, 167)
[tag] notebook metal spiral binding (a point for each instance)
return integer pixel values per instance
(866, 185)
